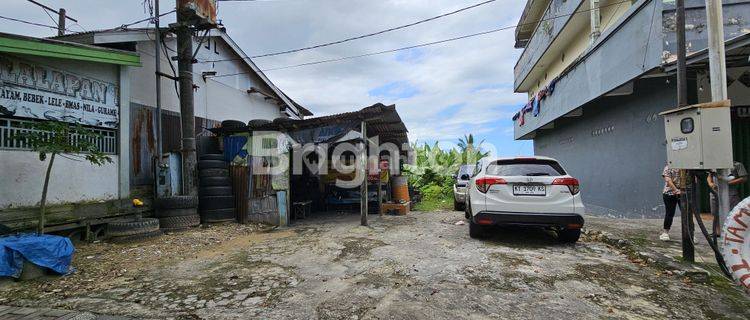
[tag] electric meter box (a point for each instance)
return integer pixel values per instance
(699, 137)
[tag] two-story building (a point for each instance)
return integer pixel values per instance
(598, 72)
(228, 85)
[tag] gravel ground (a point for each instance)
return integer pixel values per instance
(421, 266)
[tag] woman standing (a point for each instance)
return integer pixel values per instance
(671, 195)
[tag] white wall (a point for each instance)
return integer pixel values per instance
(71, 181)
(218, 98)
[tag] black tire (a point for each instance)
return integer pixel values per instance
(136, 237)
(257, 123)
(216, 202)
(212, 164)
(177, 202)
(467, 210)
(132, 227)
(166, 213)
(215, 191)
(218, 215)
(205, 173)
(215, 182)
(212, 156)
(232, 124)
(476, 231)
(456, 205)
(180, 222)
(568, 235)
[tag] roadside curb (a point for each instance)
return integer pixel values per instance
(645, 256)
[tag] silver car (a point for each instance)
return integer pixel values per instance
(459, 187)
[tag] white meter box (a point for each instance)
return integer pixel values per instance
(699, 137)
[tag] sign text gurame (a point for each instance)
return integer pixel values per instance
(33, 91)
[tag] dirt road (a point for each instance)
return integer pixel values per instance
(422, 266)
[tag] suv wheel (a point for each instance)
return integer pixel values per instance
(476, 231)
(568, 235)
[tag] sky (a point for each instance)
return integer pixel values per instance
(442, 92)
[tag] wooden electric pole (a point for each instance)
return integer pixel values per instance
(187, 112)
(61, 17)
(688, 250)
(61, 22)
(157, 51)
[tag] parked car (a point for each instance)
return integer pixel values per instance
(459, 186)
(533, 191)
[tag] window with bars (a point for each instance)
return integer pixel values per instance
(9, 128)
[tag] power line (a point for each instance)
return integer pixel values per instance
(28, 22)
(420, 45)
(124, 26)
(365, 35)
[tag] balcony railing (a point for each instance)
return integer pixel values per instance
(556, 16)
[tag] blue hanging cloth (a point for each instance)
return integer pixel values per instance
(47, 251)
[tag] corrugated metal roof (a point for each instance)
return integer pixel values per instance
(382, 121)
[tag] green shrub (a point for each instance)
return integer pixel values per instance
(432, 172)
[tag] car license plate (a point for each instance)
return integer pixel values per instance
(529, 190)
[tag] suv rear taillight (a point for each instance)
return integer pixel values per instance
(484, 184)
(572, 184)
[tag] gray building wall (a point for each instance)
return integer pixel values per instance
(616, 149)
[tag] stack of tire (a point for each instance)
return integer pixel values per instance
(216, 203)
(133, 230)
(178, 213)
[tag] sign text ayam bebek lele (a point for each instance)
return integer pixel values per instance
(31, 90)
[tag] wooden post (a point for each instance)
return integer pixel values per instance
(688, 250)
(61, 22)
(380, 188)
(363, 164)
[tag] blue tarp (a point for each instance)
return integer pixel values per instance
(48, 251)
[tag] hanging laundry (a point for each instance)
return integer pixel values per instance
(535, 105)
(551, 86)
(515, 116)
(542, 94)
(526, 109)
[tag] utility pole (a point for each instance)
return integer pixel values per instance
(187, 112)
(157, 50)
(363, 163)
(61, 17)
(688, 250)
(718, 74)
(61, 22)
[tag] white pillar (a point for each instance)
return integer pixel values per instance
(124, 135)
(718, 73)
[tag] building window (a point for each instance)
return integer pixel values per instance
(9, 128)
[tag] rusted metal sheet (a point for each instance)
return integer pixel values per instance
(142, 145)
(203, 9)
(143, 139)
(240, 187)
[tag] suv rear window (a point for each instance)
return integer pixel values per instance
(525, 167)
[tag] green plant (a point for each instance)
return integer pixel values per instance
(432, 173)
(58, 138)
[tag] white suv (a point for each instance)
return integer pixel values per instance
(533, 191)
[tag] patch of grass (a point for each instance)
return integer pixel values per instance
(434, 204)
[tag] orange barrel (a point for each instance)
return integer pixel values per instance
(400, 188)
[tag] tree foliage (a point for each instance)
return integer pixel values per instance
(434, 167)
